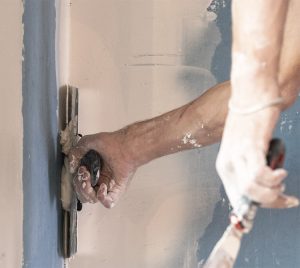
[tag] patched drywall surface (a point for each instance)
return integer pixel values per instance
(11, 131)
(132, 60)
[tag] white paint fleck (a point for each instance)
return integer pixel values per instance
(197, 145)
(188, 139)
(200, 263)
(193, 141)
(167, 117)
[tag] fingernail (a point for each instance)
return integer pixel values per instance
(292, 202)
(112, 204)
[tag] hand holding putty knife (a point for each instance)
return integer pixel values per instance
(226, 250)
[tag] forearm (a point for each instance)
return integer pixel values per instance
(258, 28)
(257, 40)
(201, 122)
(253, 106)
(193, 125)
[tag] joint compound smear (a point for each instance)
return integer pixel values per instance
(187, 138)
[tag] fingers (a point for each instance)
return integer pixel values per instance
(263, 185)
(82, 185)
(270, 178)
(266, 187)
(283, 201)
(262, 194)
(250, 177)
(109, 196)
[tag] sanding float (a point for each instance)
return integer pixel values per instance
(69, 137)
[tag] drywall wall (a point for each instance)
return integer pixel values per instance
(132, 60)
(11, 131)
(41, 154)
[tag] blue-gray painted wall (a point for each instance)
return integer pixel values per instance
(41, 158)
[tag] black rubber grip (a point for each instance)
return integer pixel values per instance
(276, 153)
(93, 162)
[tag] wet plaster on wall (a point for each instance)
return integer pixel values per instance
(274, 240)
(11, 131)
(41, 158)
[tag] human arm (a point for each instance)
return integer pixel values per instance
(258, 29)
(196, 124)
(164, 137)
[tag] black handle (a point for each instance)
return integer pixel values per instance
(276, 153)
(93, 162)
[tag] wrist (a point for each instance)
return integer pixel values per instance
(134, 144)
(255, 108)
(253, 80)
(256, 128)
